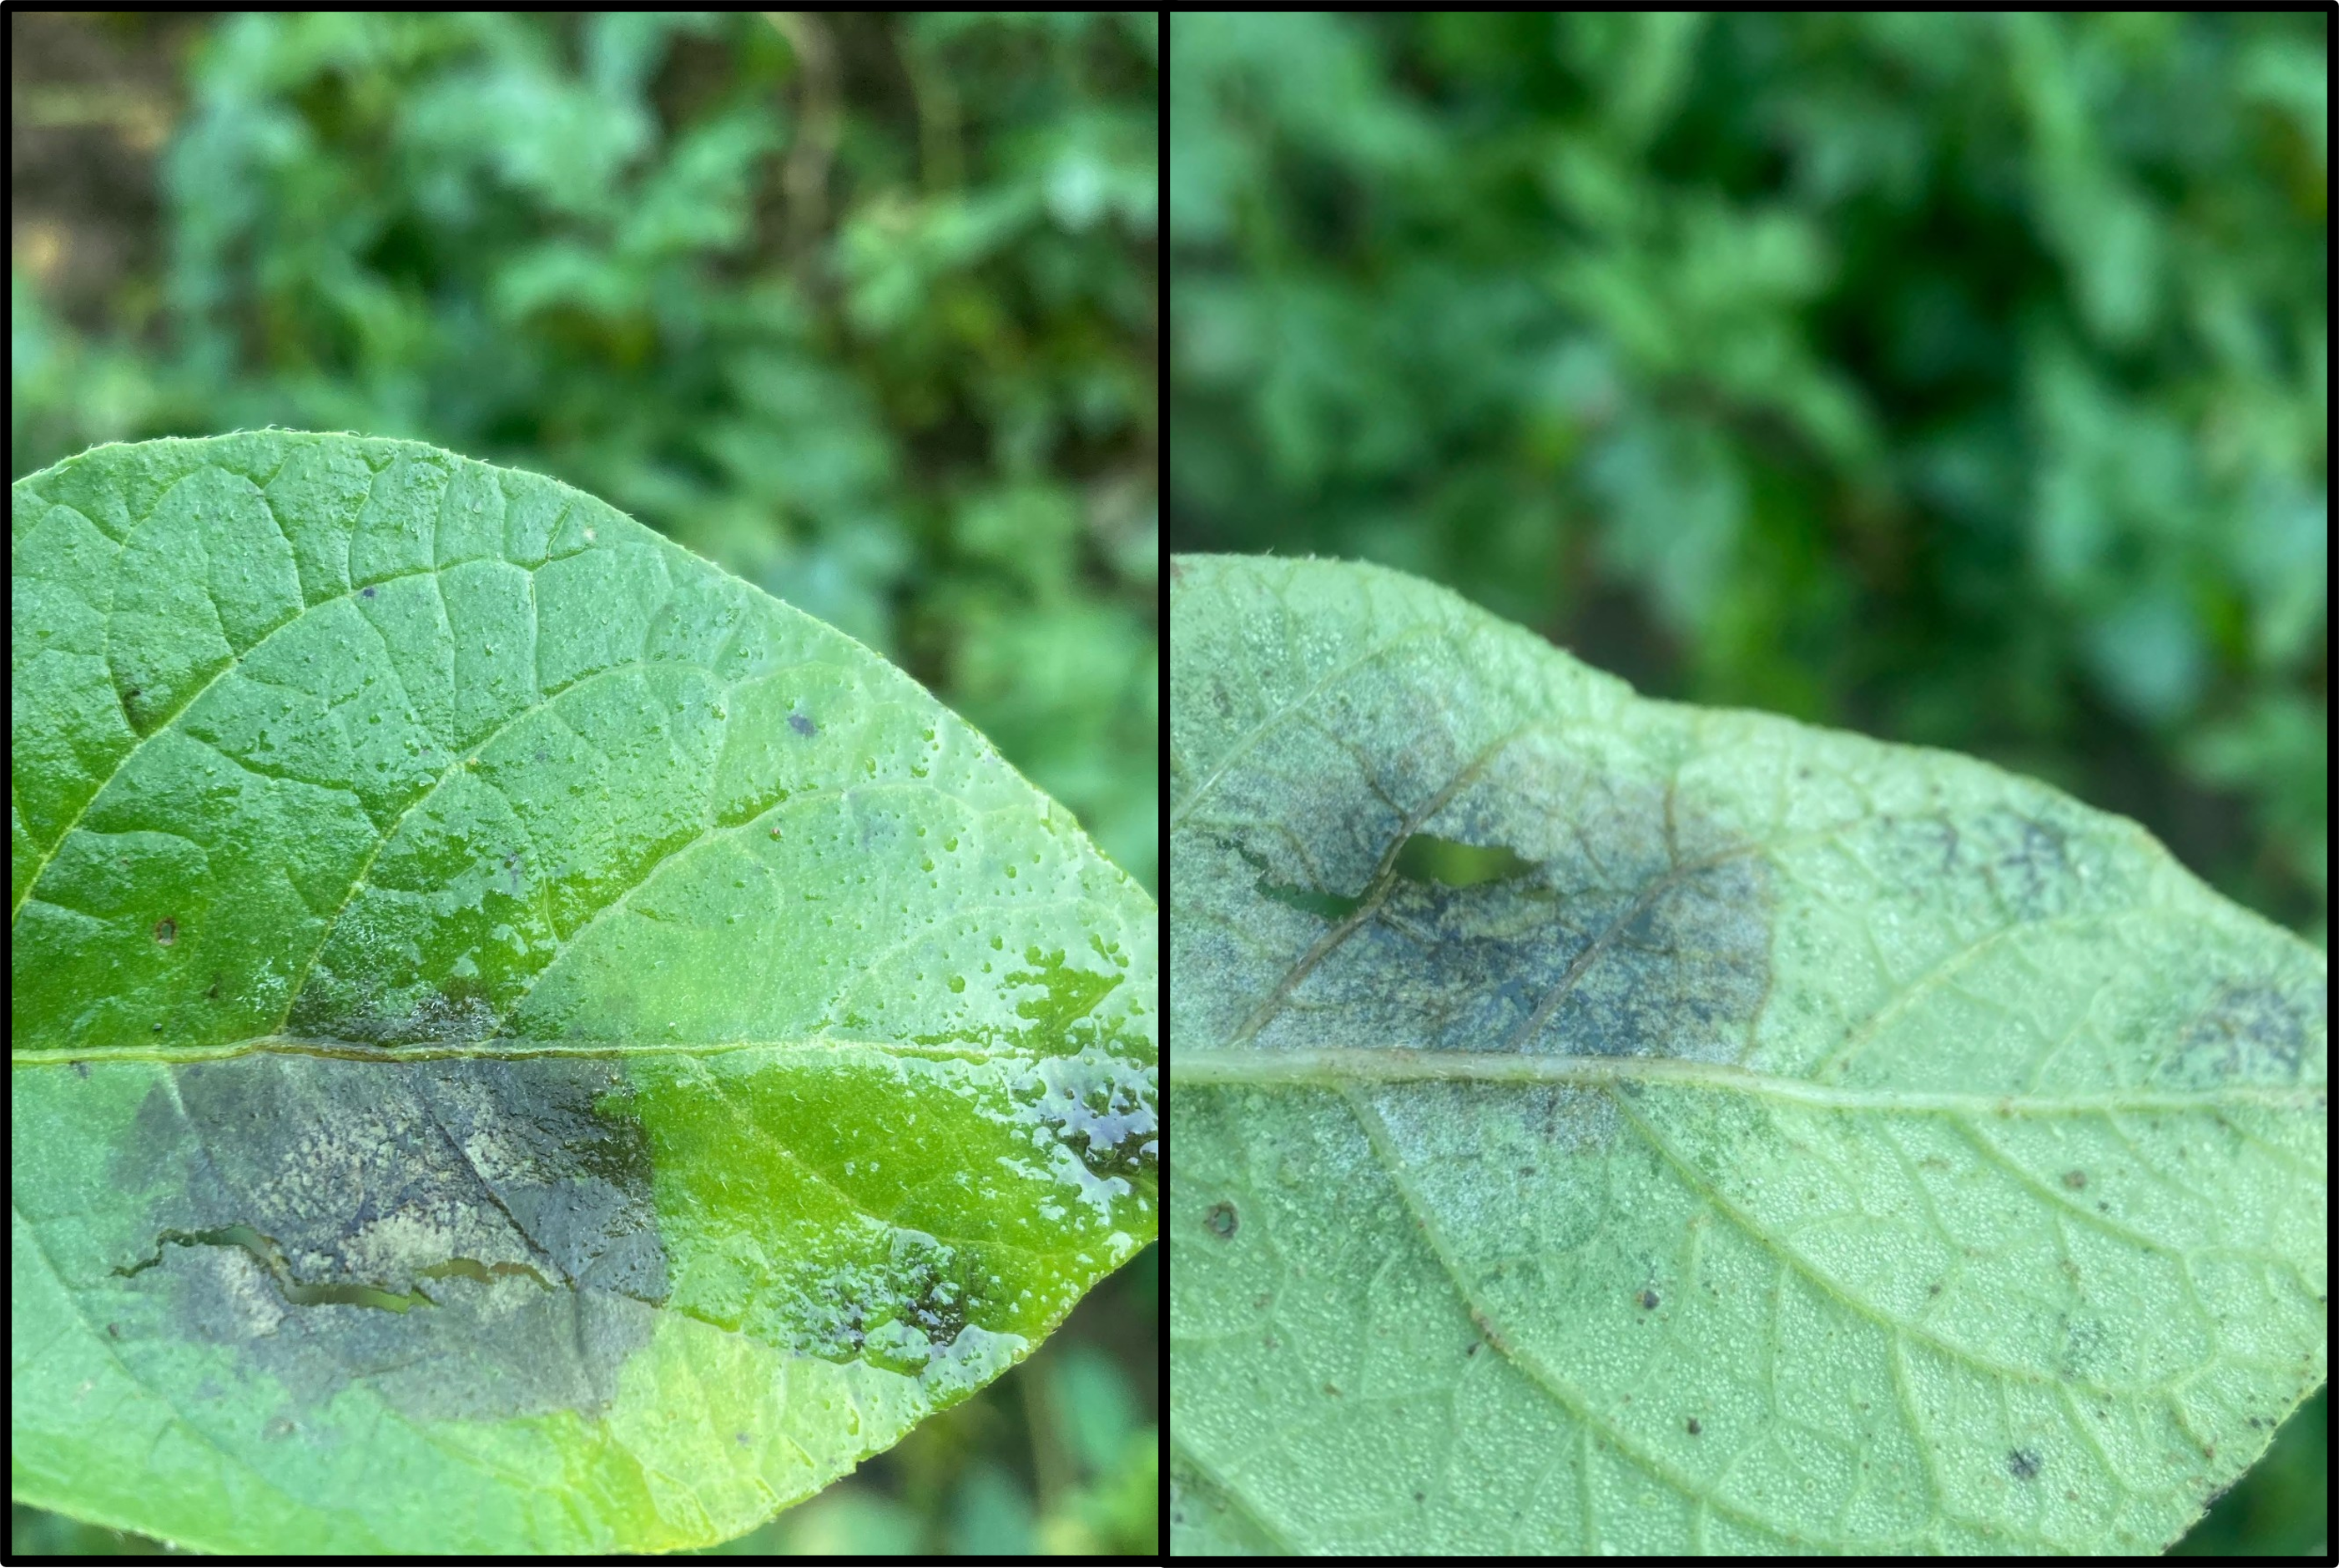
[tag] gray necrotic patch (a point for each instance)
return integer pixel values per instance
(2257, 1031)
(471, 1238)
(898, 1313)
(1985, 867)
(1100, 1106)
(1554, 903)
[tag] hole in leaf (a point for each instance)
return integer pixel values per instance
(1425, 857)
(1323, 906)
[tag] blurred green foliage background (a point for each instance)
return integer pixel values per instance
(861, 305)
(1959, 379)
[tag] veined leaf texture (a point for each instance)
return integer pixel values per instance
(521, 1040)
(1612, 1127)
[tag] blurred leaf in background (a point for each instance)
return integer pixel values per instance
(1959, 379)
(863, 306)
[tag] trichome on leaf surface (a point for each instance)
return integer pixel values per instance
(1607, 1126)
(521, 1041)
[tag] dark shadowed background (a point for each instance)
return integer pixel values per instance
(1960, 380)
(862, 306)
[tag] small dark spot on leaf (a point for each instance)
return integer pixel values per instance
(1221, 1219)
(1176, 571)
(2075, 1179)
(365, 593)
(1934, 1288)
(2023, 1463)
(1693, 1427)
(114, 1330)
(1472, 1350)
(1648, 1300)
(744, 1441)
(81, 1069)
(214, 993)
(1418, 1497)
(1332, 1391)
(166, 931)
(801, 724)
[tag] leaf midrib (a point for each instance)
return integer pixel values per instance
(1333, 1068)
(813, 1046)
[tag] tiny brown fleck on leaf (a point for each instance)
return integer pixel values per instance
(1693, 1427)
(2075, 1179)
(166, 931)
(1221, 1219)
(1648, 1300)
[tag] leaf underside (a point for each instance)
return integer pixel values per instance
(521, 1040)
(1606, 1126)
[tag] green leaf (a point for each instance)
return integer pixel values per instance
(1761, 1139)
(521, 1040)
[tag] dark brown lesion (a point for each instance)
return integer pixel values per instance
(1492, 1336)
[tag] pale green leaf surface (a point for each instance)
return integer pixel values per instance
(521, 1040)
(1606, 1126)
